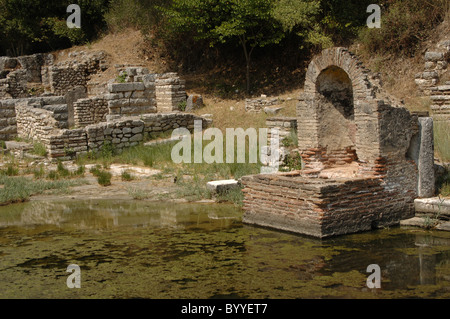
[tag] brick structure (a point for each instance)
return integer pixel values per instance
(355, 147)
(440, 97)
(170, 92)
(90, 111)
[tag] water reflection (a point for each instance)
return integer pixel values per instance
(132, 249)
(107, 214)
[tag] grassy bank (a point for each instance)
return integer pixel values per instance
(190, 178)
(15, 189)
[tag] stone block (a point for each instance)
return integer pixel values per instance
(434, 56)
(219, 187)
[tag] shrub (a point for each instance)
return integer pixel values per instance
(104, 178)
(126, 176)
(80, 171)
(62, 170)
(39, 149)
(39, 173)
(404, 25)
(138, 194)
(95, 170)
(11, 170)
(53, 175)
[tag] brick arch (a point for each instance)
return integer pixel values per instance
(361, 140)
(347, 61)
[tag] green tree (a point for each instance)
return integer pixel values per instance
(301, 17)
(249, 23)
(28, 26)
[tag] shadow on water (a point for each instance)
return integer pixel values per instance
(137, 249)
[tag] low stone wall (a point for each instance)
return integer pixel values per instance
(90, 111)
(8, 123)
(321, 208)
(440, 97)
(119, 133)
(170, 92)
(284, 125)
(258, 105)
(66, 144)
(13, 124)
(436, 63)
(35, 123)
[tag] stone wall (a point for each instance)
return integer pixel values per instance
(119, 133)
(258, 105)
(436, 63)
(440, 97)
(90, 111)
(16, 84)
(170, 92)
(35, 123)
(322, 208)
(18, 74)
(51, 106)
(356, 147)
(8, 124)
(131, 99)
(64, 76)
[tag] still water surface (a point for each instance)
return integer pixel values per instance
(132, 249)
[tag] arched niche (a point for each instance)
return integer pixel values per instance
(335, 111)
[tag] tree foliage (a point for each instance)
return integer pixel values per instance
(28, 26)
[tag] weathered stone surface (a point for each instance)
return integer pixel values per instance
(272, 110)
(434, 56)
(425, 162)
(219, 187)
(194, 102)
(353, 141)
(433, 205)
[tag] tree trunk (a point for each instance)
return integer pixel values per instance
(247, 62)
(248, 75)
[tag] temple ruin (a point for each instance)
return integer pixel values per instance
(365, 159)
(59, 106)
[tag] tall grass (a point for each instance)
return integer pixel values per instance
(19, 189)
(442, 140)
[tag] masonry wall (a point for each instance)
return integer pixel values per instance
(321, 208)
(440, 97)
(131, 99)
(89, 111)
(120, 133)
(63, 77)
(17, 74)
(8, 123)
(170, 92)
(35, 123)
(258, 105)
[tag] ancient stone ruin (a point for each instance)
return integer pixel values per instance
(430, 81)
(58, 106)
(365, 159)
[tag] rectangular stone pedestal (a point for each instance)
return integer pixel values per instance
(322, 207)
